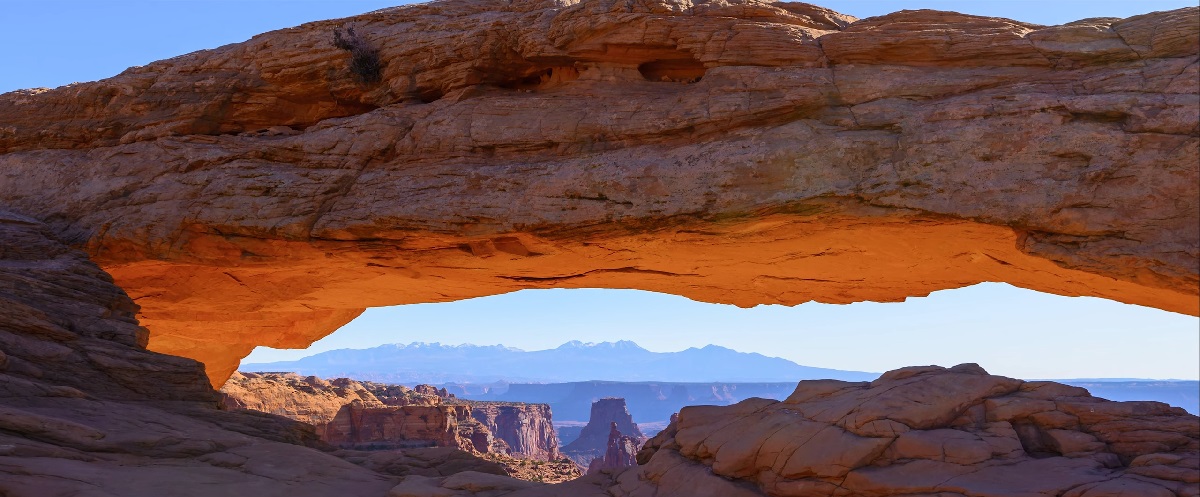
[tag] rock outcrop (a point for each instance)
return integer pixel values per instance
(621, 453)
(86, 410)
(400, 395)
(360, 426)
(919, 431)
(307, 399)
(735, 151)
(526, 429)
(595, 439)
(362, 415)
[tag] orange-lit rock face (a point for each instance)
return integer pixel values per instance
(737, 152)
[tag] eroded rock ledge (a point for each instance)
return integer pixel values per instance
(918, 431)
(372, 416)
(86, 410)
(729, 151)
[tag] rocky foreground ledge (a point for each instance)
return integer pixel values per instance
(85, 410)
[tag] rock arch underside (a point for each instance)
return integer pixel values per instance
(741, 152)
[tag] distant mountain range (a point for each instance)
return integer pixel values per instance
(655, 401)
(572, 362)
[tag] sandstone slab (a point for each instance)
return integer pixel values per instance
(733, 151)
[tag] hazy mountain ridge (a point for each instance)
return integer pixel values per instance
(571, 362)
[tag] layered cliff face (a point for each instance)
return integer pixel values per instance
(358, 425)
(352, 414)
(307, 399)
(621, 452)
(914, 431)
(527, 429)
(925, 430)
(594, 440)
(729, 151)
(86, 410)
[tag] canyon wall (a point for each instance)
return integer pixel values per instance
(734, 151)
(307, 399)
(608, 414)
(85, 409)
(621, 452)
(367, 415)
(527, 429)
(360, 426)
(949, 432)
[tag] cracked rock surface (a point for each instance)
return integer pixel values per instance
(731, 151)
(85, 410)
(924, 431)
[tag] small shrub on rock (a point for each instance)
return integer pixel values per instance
(364, 58)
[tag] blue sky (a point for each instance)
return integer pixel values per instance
(1008, 330)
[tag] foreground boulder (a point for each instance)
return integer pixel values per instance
(734, 151)
(919, 431)
(928, 431)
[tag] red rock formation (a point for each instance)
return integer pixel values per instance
(432, 391)
(309, 399)
(593, 441)
(357, 425)
(745, 152)
(350, 414)
(86, 410)
(919, 431)
(931, 430)
(621, 453)
(400, 395)
(527, 429)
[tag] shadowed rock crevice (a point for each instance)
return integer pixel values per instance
(672, 70)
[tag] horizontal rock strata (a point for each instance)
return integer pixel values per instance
(736, 151)
(367, 415)
(595, 439)
(85, 410)
(919, 431)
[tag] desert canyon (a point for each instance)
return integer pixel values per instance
(158, 225)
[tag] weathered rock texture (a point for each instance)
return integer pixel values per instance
(86, 410)
(352, 414)
(358, 425)
(308, 399)
(596, 438)
(526, 429)
(729, 151)
(621, 453)
(919, 431)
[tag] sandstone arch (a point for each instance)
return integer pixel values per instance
(258, 194)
